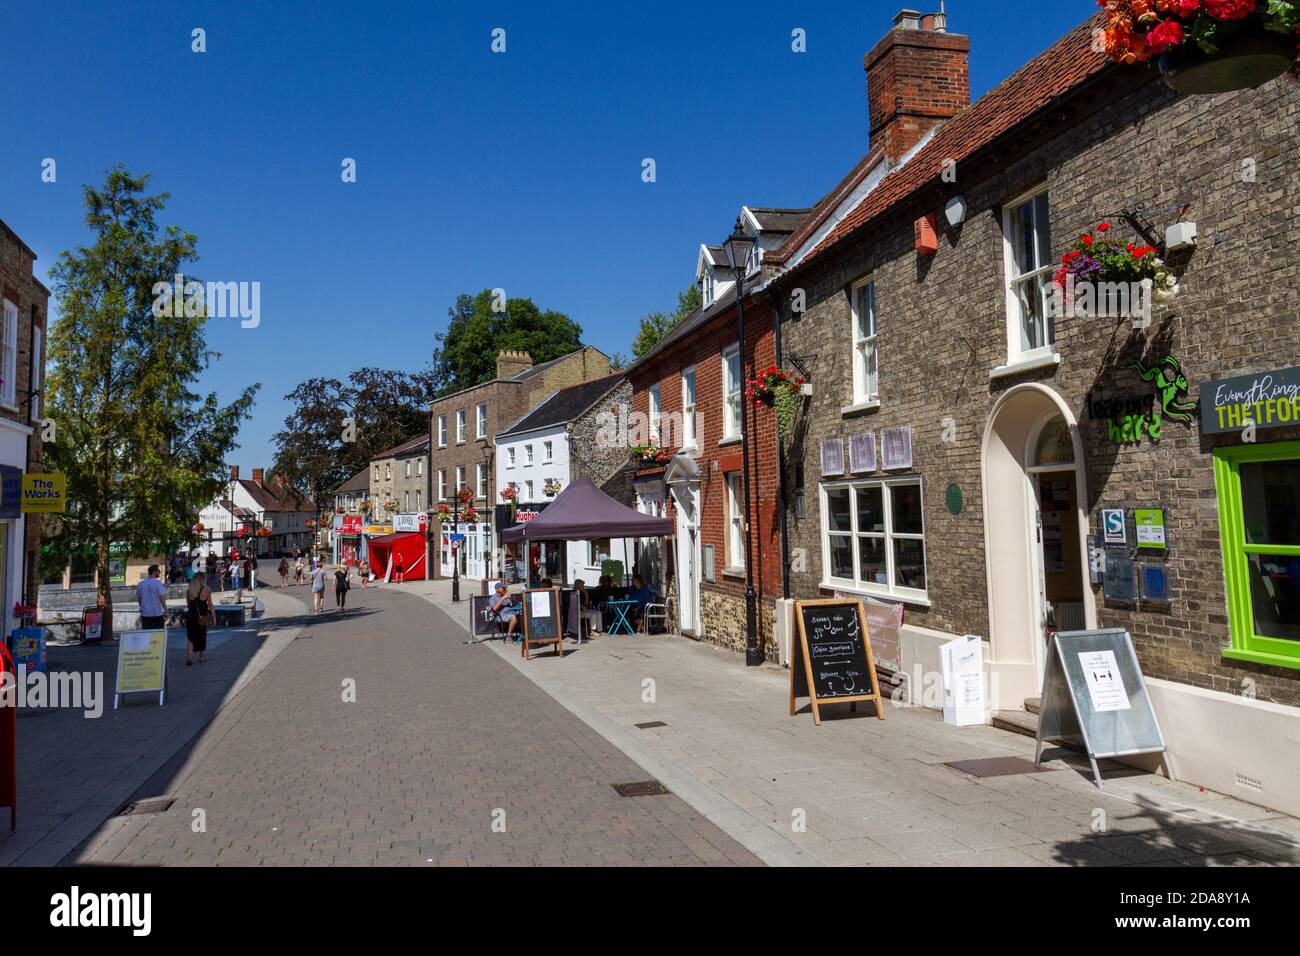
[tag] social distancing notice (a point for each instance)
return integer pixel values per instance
(142, 664)
(542, 623)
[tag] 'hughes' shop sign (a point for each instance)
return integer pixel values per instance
(1269, 400)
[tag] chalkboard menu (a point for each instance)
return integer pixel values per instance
(542, 623)
(831, 661)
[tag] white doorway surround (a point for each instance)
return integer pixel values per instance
(683, 477)
(1013, 550)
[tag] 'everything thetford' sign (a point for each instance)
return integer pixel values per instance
(1269, 399)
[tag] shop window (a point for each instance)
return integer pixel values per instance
(598, 551)
(1027, 245)
(874, 538)
(1259, 526)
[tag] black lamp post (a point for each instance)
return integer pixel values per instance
(738, 247)
(487, 504)
(455, 552)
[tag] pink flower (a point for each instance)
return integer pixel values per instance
(1166, 34)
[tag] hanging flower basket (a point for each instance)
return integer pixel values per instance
(442, 514)
(1205, 46)
(469, 514)
(551, 488)
(310, 524)
(199, 528)
(780, 391)
(365, 506)
(264, 532)
(509, 493)
(465, 495)
(1135, 274)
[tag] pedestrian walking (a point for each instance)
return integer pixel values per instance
(297, 572)
(341, 586)
(252, 572)
(284, 572)
(151, 595)
(199, 614)
(363, 570)
(318, 590)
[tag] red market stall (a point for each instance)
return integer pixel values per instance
(384, 550)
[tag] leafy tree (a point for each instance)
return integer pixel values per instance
(335, 428)
(658, 324)
(466, 352)
(142, 451)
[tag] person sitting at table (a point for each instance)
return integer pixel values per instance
(641, 596)
(504, 610)
(592, 615)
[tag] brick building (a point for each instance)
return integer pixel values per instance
(688, 393)
(25, 303)
(398, 484)
(965, 435)
(462, 432)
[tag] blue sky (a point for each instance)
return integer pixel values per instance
(519, 170)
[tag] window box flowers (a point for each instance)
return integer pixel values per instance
(551, 488)
(651, 454)
(1205, 46)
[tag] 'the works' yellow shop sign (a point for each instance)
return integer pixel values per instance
(44, 492)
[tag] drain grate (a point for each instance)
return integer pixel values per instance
(652, 723)
(152, 805)
(994, 766)
(643, 788)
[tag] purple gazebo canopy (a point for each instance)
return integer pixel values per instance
(582, 512)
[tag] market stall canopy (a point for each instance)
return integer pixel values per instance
(582, 512)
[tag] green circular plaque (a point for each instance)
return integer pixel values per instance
(953, 498)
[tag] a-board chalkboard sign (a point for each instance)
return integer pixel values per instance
(1094, 694)
(542, 624)
(831, 661)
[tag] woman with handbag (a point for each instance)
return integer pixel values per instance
(199, 615)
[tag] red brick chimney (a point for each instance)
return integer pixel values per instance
(234, 472)
(917, 77)
(259, 475)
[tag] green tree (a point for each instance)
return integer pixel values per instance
(658, 324)
(142, 450)
(481, 326)
(335, 428)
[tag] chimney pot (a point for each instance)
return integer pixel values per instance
(907, 19)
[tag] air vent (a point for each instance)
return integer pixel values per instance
(152, 805)
(651, 724)
(994, 766)
(1249, 783)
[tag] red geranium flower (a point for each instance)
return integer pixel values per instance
(1102, 227)
(1088, 240)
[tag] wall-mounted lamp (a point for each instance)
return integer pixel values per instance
(955, 210)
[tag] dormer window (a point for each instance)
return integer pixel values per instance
(755, 257)
(706, 287)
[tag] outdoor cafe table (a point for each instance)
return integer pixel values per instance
(621, 624)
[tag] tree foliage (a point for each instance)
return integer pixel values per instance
(141, 449)
(480, 327)
(658, 324)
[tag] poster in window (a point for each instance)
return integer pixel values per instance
(832, 457)
(862, 452)
(896, 447)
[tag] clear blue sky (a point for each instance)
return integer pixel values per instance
(519, 170)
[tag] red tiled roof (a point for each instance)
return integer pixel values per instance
(1064, 65)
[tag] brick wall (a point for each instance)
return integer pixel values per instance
(915, 80)
(942, 328)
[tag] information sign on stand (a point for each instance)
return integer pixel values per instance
(962, 669)
(542, 623)
(1094, 696)
(142, 664)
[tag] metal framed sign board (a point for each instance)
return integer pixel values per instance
(1094, 694)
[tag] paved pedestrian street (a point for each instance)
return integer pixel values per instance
(447, 756)
(378, 736)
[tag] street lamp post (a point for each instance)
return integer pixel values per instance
(738, 247)
(487, 504)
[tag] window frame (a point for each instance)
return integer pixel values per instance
(1013, 279)
(460, 426)
(528, 453)
(689, 439)
(480, 480)
(1246, 644)
(9, 356)
(36, 379)
(442, 431)
(480, 420)
(442, 484)
(735, 556)
(510, 456)
(655, 409)
(890, 590)
(731, 413)
(548, 451)
(460, 478)
(864, 342)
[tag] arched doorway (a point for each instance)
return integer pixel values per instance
(1035, 535)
